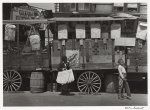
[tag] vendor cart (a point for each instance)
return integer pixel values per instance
(88, 42)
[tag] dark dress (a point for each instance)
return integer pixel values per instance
(64, 87)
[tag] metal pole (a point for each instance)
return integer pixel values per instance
(18, 46)
(82, 48)
(11, 12)
(113, 54)
(49, 51)
(126, 57)
(49, 59)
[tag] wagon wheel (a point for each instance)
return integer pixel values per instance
(89, 82)
(11, 80)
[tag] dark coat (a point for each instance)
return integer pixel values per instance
(63, 66)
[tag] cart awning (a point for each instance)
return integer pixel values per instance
(27, 21)
(52, 20)
(123, 15)
(88, 18)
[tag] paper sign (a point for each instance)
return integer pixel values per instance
(115, 31)
(125, 41)
(141, 32)
(80, 31)
(62, 32)
(10, 32)
(95, 31)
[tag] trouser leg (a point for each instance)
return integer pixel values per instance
(120, 88)
(67, 89)
(63, 89)
(127, 88)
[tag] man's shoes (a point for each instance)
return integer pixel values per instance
(128, 97)
(121, 98)
(62, 93)
(67, 93)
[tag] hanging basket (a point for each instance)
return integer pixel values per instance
(34, 39)
(35, 42)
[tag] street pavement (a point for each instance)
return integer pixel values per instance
(26, 98)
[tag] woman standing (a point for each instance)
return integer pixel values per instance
(123, 84)
(64, 65)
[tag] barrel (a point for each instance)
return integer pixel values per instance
(111, 83)
(37, 82)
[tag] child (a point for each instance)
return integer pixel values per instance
(123, 84)
(64, 65)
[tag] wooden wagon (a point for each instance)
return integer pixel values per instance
(93, 64)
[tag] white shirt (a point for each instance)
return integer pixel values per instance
(122, 71)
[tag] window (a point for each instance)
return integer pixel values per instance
(132, 7)
(129, 29)
(118, 7)
(72, 7)
(83, 6)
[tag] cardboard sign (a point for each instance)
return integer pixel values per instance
(95, 31)
(10, 32)
(141, 31)
(80, 31)
(62, 32)
(115, 31)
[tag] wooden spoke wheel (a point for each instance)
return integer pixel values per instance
(11, 80)
(89, 82)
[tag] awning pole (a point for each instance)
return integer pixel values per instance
(49, 50)
(18, 46)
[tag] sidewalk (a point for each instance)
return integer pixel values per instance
(76, 99)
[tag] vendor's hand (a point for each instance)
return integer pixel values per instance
(63, 69)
